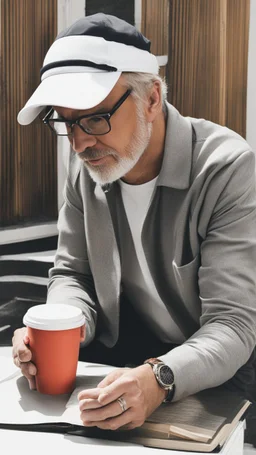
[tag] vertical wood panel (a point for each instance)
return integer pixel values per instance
(238, 13)
(207, 66)
(154, 25)
(223, 63)
(28, 159)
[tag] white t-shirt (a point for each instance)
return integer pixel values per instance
(136, 200)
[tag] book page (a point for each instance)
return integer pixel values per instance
(82, 383)
(8, 369)
(182, 430)
(72, 412)
(19, 404)
(208, 410)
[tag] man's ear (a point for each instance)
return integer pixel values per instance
(154, 104)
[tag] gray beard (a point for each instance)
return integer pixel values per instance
(108, 174)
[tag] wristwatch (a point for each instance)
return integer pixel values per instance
(164, 376)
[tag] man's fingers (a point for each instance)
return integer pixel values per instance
(26, 339)
(32, 383)
(88, 393)
(93, 394)
(114, 423)
(89, 403)
(24, 354)
(18, 335)
(16, 361)
(20, 340)
(113, 391)
(28, 369)
(111, 377)
(98, 414)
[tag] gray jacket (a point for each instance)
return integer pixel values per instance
(199, 239)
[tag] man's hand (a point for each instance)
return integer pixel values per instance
(22, 356)
(138, 387)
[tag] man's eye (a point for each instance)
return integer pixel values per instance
(96, 120)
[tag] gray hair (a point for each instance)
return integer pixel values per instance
(141, 83)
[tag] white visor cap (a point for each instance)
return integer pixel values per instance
(79, 72)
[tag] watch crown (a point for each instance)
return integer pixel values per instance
(164, 376)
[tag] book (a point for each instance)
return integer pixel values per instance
(202, 422)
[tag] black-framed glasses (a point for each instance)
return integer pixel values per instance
(93, 124)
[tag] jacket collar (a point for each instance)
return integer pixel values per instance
(176, 167)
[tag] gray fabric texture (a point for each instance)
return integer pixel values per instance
(199, 238)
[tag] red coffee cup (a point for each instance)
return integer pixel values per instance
(54, 332)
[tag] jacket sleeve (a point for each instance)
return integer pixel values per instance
(71, 281)
(227, 285)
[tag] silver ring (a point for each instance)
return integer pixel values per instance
(122, 403)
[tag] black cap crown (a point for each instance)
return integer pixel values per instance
(110, 28)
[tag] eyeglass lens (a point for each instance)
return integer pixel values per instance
(92, 125)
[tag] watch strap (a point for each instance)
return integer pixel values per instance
(169, 395)
(153, 361)
(170, 391)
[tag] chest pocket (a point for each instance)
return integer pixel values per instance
(186, 277)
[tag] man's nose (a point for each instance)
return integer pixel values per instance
(81, 140)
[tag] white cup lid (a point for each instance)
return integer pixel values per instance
(54, 317)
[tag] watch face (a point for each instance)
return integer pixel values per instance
(166, 375)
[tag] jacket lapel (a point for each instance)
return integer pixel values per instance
(104, 260)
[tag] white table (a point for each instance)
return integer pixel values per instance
(28, 443)
(31, 443)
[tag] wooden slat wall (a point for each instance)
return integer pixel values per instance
(154, 25)
(28, 159)
(207, 74)
(238, 14)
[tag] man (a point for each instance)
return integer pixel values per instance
(157, 239)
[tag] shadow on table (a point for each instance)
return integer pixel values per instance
(45, 405)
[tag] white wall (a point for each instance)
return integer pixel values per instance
(68, 12)
(251, 83)
(137, 14)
